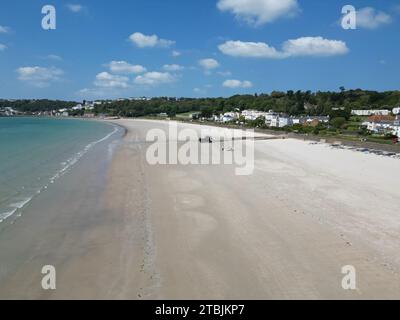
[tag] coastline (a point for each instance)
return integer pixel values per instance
(66, 166)
(119, 228)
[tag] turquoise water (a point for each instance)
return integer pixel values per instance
(35, 152)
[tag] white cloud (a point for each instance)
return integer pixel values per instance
(234, 84)
(249, 49)
(4, 29)
(144, 41)
(154, 78)
(75, 7)
(314, 46)
(3, 47)
(259, 12)
(371, 18)
(305, 46)
(173, 67)
(176, 53)
(107, 80)
(209, 64)
(123, 67)
(39, 76)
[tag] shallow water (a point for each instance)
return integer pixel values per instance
(35, 152)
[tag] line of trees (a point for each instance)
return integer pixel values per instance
(335, 104)
(26, 105)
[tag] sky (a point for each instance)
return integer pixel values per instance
(210, 48)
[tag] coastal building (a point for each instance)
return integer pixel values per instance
(396, 111)
(8, 112)
(319, 119)
(383, 127)
(310, 120)
(280, 121)
(271, 117)
(78, 107)
(298, 120)
(229, 116)
(367, 113)
(254, 114)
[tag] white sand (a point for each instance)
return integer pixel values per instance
(200, 231)
(284, 232)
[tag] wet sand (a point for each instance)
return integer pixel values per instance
(202, 232)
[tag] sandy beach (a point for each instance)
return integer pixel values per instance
(117, 227)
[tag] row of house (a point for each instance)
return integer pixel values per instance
(385, 125)
(271, 118)
(381, 121)
(8, 112)
(368, 113)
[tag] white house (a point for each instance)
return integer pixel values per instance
(279, 121)
(253, 114)
(367, 113)
(396, 130)
(77, 107)
(227, 118)
(285, 121)
(383, 127)
(396, 111)
(231, 115)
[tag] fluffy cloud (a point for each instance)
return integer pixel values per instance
(2, 47)
(123, 67)
(154, 78)
(259, 12)
(173, 67)
(39, 76)
(370, 18)
(209, 64)
(107, 80)
(176, 53)
(75, 7)
(248, 49)
(314, 46)
(143, 41)
(234, 84)
(4, 29)
(305, 46)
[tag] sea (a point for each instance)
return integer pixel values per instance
(35, 152)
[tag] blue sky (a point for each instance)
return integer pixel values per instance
(110, 49)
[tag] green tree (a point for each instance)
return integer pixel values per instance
(338, 122)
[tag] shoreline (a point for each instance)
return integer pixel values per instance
(18, 207)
